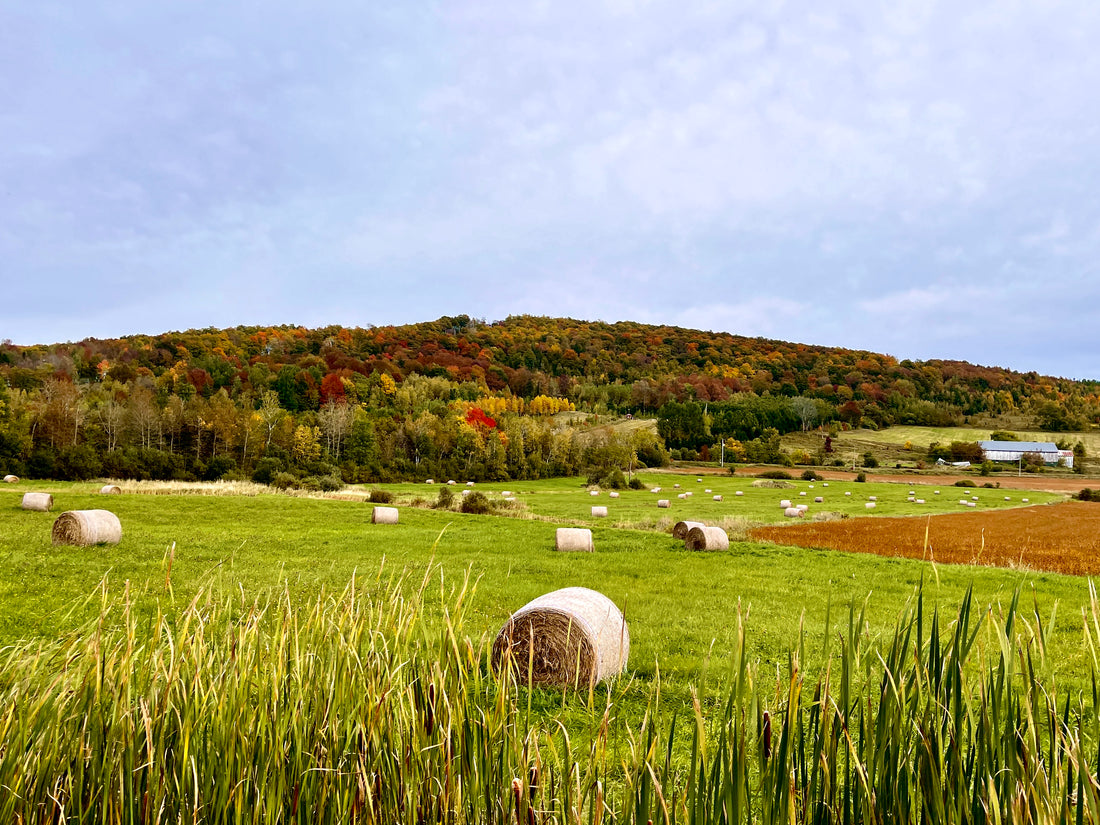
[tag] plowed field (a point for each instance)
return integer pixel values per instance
(1061, 538)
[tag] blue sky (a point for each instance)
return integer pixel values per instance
(916, 178)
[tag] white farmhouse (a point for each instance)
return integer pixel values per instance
(1015, 450)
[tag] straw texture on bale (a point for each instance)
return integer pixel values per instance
(599, 512)
(110, 490)
(680, 529)
(84, 528)
(663, 503)
(574, 540)
(784, 504)
(10, 479)
(793, 512)
(707, 538)
(574, 636)
(384, 515)
(717, 498)
(42, 502)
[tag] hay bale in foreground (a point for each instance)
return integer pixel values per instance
(599, 512)
(10, 479)
(707, 538)
(83, 528)
(793, 512)
(574, 540)
(40, 502)
(574, 636)
(110, 490)
(384, 515)
(680, 529)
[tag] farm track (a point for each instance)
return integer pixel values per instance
(1057, 538)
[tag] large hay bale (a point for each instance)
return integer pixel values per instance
(612, 494)
(707, 538)
(784, 504)
(384, 515)
(110, 490)
(599, 512)
(717, 498)
(84, 528)
(574, 540)
(41, 502)
(793, 512)
(574, 636)
(10, 479)
(663, 503)
(680, 529)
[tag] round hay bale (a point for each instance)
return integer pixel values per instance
(505, 493)
(681, 496)
(707, 538)
(40, 502)
(689, 494)
(655, 490)
(599, 512)
(717, 498)
(10, 479)
(574, 636)
(784, 504)
(698, 479)
(613, 494)
(825, 484)
(430, 481)
(848, 493)
(469, 484)
(574, 540)
(793, 512)
(739, 493)
(870, 505)
(451, 481)
(384, 515)
(110, 490)
(1024, 500)
(681, 528)
(676, 486)
(593, 492)
(920, 501)
(802, 493)
(971, 504)
(663, 503)
(1008, 498)
(872, 498)
(708, 490)
(83, 528)
(818, 499)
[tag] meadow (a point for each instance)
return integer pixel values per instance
(697, 621)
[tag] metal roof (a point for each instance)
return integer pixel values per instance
(1020, 446)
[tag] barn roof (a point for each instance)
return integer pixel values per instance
(1020, 446)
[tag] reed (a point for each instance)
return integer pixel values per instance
(374, 706)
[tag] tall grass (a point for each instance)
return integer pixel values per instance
(374, 706)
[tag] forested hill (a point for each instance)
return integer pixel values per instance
(624, 366)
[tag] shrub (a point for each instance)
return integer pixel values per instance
(838, 462)
(861, 478)
(265, 470)
(475, 503)
(218, 467)
(810, 475)
(869, 460)
(284, 481)
(783, 474)
(385, 496)
(989, 485)
(636, 483)
(965, 482)
(1089, 495)
(445, 500)
(1003, 435)
(330, 483)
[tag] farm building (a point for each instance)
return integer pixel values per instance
(1015, 450)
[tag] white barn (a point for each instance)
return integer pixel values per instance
(1015, 450)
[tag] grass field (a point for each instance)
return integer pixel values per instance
(685, 612)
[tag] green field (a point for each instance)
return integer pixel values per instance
(679, 605)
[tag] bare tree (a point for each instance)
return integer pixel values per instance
(335, 420)
(806, 410)
(270, 414)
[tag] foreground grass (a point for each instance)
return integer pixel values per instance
(363, 708)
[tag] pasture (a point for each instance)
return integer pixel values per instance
(706, 628)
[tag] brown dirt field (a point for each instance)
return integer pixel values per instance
(1058, 538)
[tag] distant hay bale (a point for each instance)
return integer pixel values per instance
(793, 512)
(663, 503)
(40, 502)
(920, 501)
(739, 493)
(870, 505)
(971, 504)
(698, 479)
(826, 484)
(802, 493)
(469, 484)
(451, 481)
(681, 528)
(593, 492)
(574, 636)
(384, 515)
(707, 538)
(10, 479)
(84, 528)
(681, 496)
(872, 498)
(1024, 500)
(505, 493)
(1008, 498)
(848, 493)
(430, 481)
(717, 498)
(818, 499)
(688, 494)
(655, 490)
(574, 540)
(676, 486)
(802, 507)
(110, 490)
(784, 504)
(599, 512)
(708, 490)
(613, 494)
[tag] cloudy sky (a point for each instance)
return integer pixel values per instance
(917, 178)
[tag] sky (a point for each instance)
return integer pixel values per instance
(915, 178)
